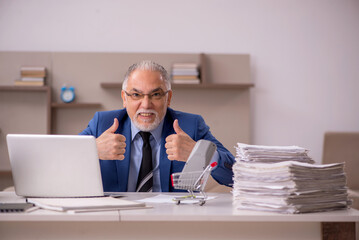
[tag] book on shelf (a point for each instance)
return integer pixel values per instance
(186, 81)
(185, 65)
(33, 71)
(31, 76)
(33, 68)
(185, 77)
(29, 83)
(185, 73)
(32, 79)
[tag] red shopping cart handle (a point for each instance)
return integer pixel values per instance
(214, 164)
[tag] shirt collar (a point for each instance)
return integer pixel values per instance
(156, 133)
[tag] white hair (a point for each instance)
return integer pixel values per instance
(150, 66)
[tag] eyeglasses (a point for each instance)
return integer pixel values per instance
(158, 95)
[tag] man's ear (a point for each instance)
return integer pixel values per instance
(123, 96)
(169, 98)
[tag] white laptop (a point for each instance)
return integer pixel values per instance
(55, 165)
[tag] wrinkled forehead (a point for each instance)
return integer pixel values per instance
(146, 81)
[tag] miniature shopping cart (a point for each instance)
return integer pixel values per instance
(192, 182)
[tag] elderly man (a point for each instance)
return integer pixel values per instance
(141, 145)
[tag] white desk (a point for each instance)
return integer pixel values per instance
(217, 219)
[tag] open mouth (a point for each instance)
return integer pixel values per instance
(146, 116)
(146, 119)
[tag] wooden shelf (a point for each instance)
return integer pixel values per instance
(75, 105)
(215, 86)
(25, 88)
(193, 86)
(111, 85)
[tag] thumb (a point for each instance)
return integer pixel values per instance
(177, 128)
(114, 126)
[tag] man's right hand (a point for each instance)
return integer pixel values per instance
(111, 146)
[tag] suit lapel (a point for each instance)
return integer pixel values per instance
(165, 164)
(124, 165)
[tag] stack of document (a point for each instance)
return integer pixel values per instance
(271, 154)
(288, 186)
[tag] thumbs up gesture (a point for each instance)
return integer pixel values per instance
(111, 146)
(179, 145)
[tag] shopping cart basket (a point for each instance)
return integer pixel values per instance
(192, 182)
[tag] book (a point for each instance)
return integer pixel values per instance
(29, 83)
(33, 71)
(185, 77)
(186, 81)
(32, 79)
(185, 72)
(32, 68)
(33, 74)
(85, 204)
(185, 65)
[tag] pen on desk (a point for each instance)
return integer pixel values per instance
(117, 196)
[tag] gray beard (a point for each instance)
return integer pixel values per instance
(147, 128)
(150, 127)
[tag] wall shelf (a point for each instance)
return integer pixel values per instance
(75, 105)
(193, 86)
(111, 85)
(25, 88)
(215, 86)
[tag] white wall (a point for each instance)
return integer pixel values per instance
(305, 53)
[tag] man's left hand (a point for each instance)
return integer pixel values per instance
(179, 145)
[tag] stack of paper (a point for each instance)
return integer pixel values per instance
(287, 186)
(271, 154)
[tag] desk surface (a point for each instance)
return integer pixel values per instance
(219, 209)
